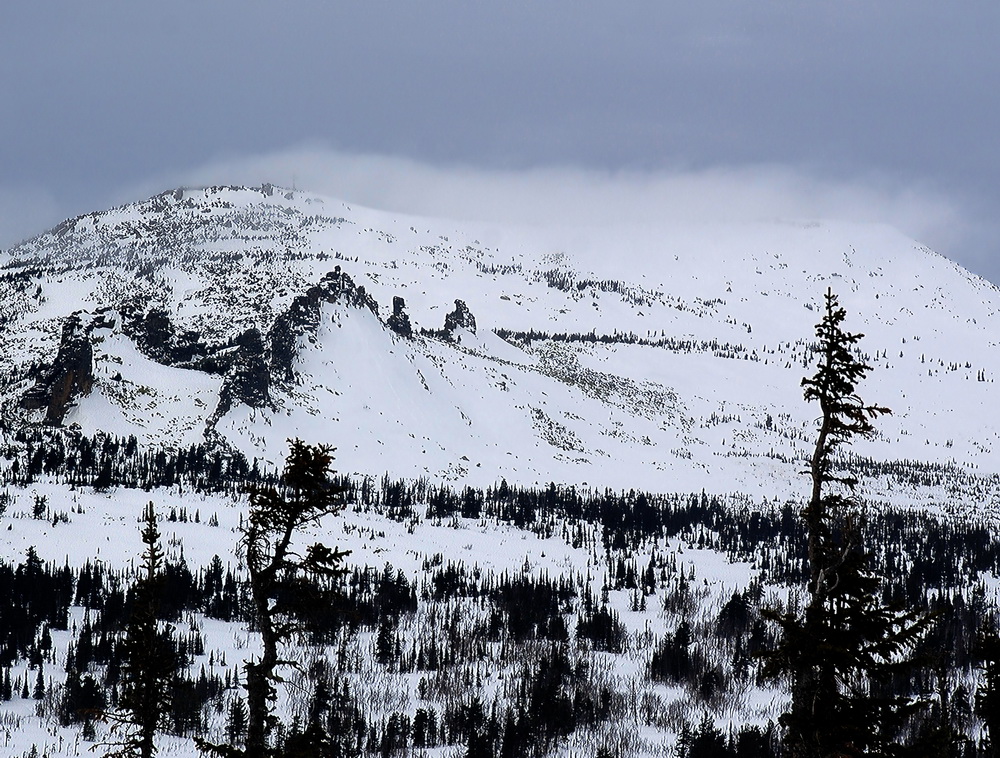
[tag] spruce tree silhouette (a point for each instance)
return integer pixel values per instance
(280, 578)
(846, 644)
(150, 662)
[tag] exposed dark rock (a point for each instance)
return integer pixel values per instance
(302, 317)
(341, 288)
(155, 336)
(248, 380)
(399, 322)
(460, 318)
(71, 375)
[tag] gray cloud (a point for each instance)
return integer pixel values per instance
(578, 196)
(24, 212)
(839, 109)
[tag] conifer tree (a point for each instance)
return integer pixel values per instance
(840, 651)
(150, 661)
(236, 720)
(38, 692)
(282, 581)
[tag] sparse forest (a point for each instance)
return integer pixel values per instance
(458, 660)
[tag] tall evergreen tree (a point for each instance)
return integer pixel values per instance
(150, 661)
(841, 650)
(281, 580)
(236, 720)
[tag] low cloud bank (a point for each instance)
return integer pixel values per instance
(575, 196)
(570, 196)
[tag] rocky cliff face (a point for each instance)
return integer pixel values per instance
(251, 363)
(302, 317)
(684, 381)
(155, 335)
(71, 374)
(248, 380)
(399, 321)
(460, 318)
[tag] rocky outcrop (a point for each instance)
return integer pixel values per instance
(460, 318)
(302, 317)
(399, 321)
(248, 379)
(71, 374)
(156, 337)
(339, 287)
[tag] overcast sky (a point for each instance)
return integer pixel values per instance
(883, 111)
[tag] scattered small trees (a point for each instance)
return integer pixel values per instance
(846, 643)
(988, 695)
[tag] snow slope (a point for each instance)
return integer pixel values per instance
(696, 388)
(706, 396)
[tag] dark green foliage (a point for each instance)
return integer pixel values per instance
(603, 628)
(149, 658)
(32, 594)
(314, 742)
(843, 650)
(528, 607)
(39, 690)
(708, 741)
(39, 506)
(988, 696)
(104, 461)
(671, 661)
(83, 700)
(386, 641)
(927, 559)
(105, 478)
(673, 344)
(236, 721)
(755, 742)
(284, 582)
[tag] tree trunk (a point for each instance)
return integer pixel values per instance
(260, 674)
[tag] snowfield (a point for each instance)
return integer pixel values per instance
(663, 360)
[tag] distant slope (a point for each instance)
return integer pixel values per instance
(665, 359)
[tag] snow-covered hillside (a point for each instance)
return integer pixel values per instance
(237, 315)
(142, 348)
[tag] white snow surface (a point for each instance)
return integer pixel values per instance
(745, 298)
(724, 415)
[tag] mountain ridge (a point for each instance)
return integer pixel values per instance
(573, 466)
(666, 359)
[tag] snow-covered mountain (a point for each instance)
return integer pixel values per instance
(659, 359)
(662, 358)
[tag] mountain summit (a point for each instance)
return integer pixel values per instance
(667, 359)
